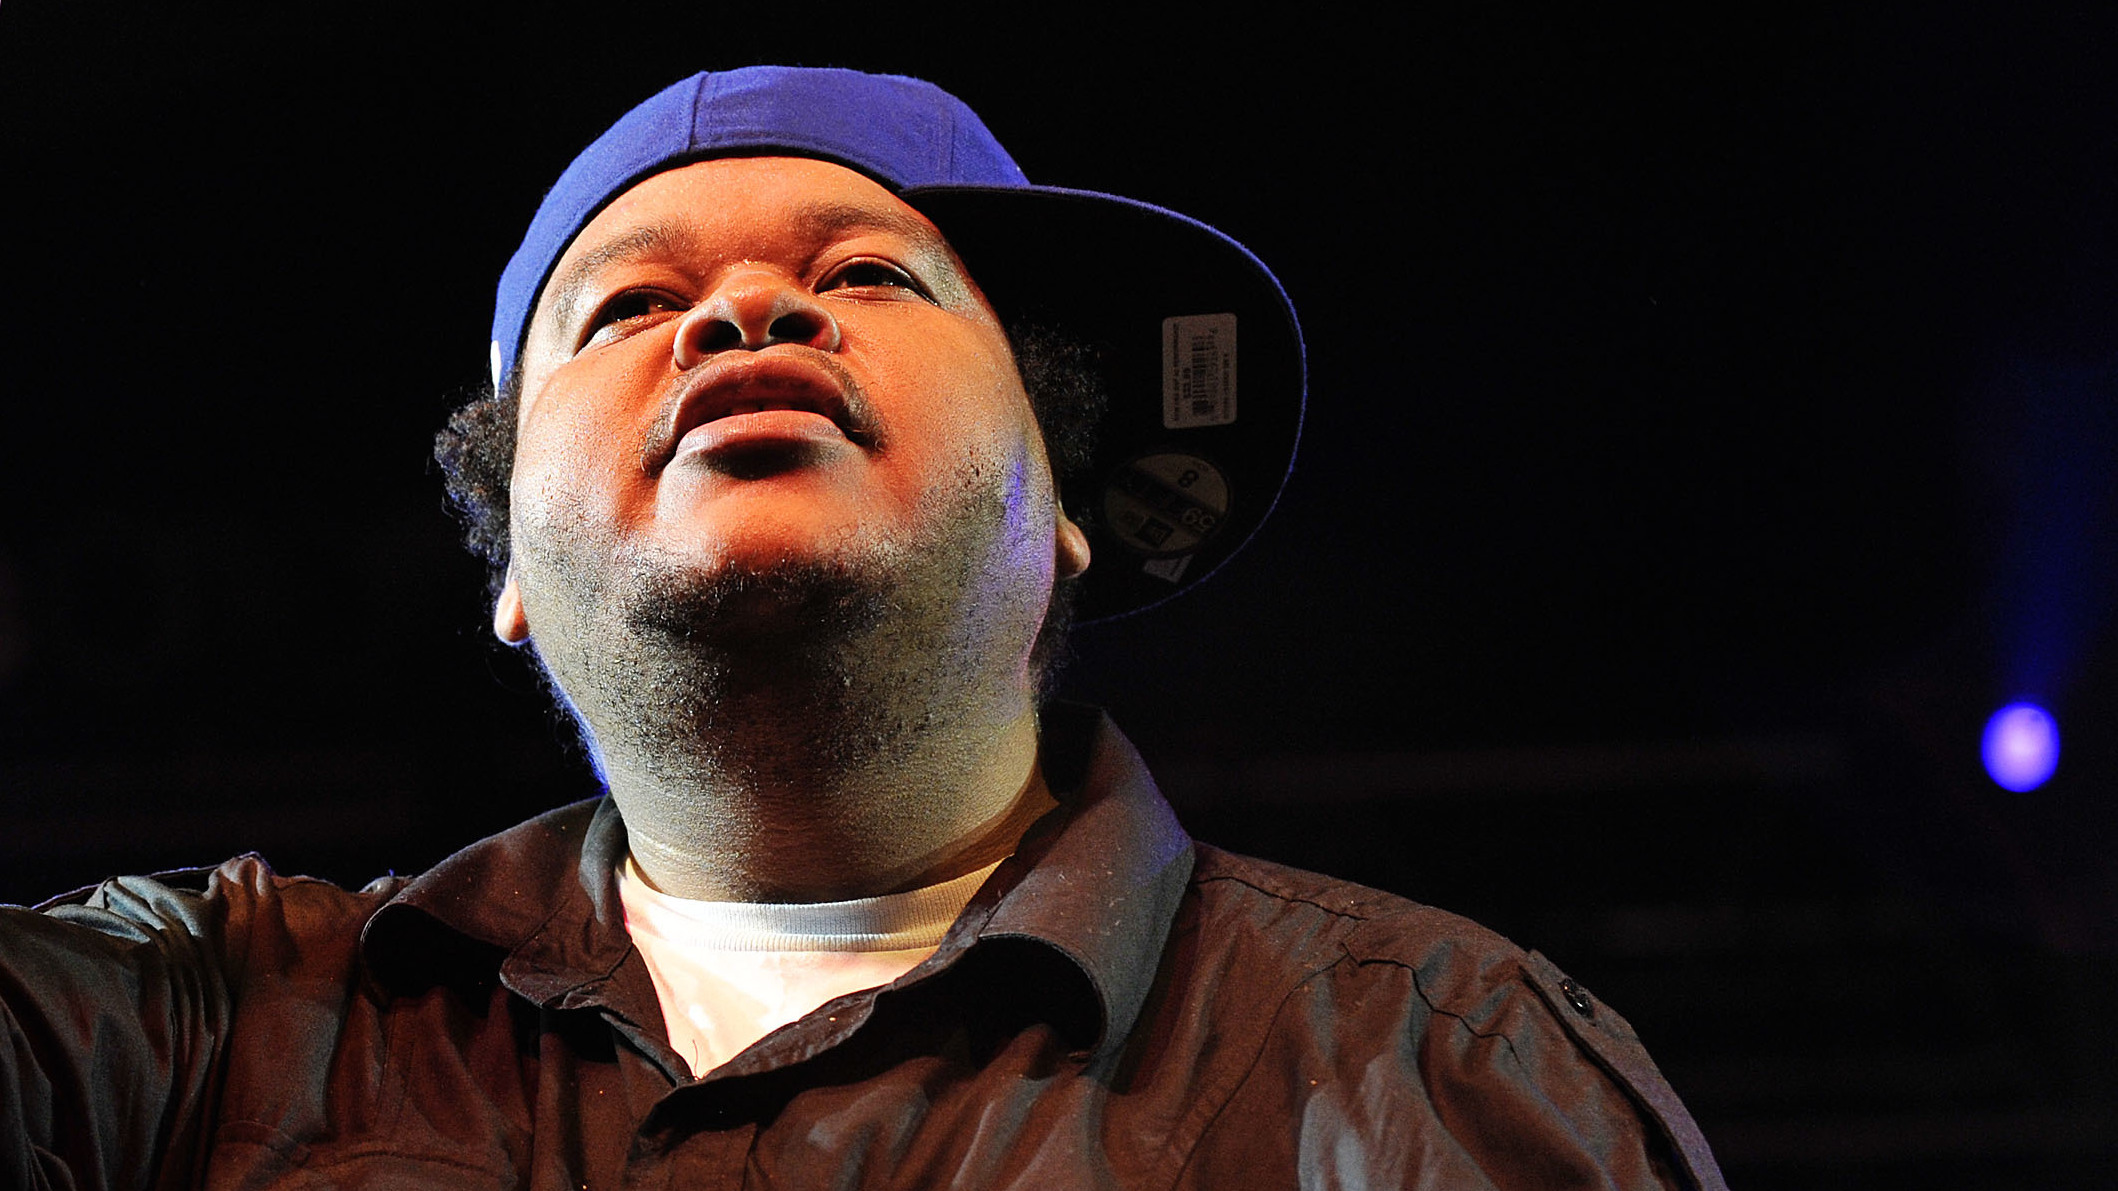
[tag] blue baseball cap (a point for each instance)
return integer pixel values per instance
(1191, 453)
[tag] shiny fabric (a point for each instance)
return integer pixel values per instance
(1115, 1008)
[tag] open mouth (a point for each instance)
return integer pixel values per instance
(747, 403)
(754, 407)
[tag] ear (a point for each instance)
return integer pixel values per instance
(1069, 549)
(509, 623)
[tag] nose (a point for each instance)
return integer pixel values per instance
(753, 309)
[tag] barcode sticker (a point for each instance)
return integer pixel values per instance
(1198, 371)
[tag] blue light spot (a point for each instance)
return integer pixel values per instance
(2021, 746)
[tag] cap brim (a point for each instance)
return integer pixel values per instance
(1201, 356)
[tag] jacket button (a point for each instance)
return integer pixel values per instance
(1578, 997)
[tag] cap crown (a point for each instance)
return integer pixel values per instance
(903, 132)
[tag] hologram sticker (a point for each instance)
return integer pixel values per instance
(1165, 504)
(1198, 371)
(1171, 569)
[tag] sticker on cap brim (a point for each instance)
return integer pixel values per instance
(1166, 504)
(1198, 371)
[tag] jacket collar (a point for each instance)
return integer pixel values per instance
(1098, 881)
(539, 899)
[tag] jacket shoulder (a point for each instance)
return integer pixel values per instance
(1367, 925)
(1461, 980)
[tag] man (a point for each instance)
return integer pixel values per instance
(790, 483)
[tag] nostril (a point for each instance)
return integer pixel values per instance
(750, 315)
(719, 335)
(796, 326)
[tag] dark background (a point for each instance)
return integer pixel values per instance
(1712, 422)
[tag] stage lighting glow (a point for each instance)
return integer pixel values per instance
(2021, 746)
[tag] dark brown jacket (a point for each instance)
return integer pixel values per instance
(1115, 1008)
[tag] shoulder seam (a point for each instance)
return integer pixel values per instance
(1336, 911)
(1419, 986)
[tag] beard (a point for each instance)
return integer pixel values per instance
(790, 672)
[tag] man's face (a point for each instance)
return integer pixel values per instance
(761, 366)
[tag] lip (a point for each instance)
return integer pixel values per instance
(741, 399)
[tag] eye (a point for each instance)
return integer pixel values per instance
(623, 308)
(872, 274)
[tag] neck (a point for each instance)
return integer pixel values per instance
(747, 824)
(803, 766)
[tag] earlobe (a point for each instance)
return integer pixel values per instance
(509, 624)
(1069, 549)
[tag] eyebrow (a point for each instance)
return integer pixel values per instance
(565, 289)
(817, 221)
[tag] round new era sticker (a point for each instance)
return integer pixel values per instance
(1166, 504)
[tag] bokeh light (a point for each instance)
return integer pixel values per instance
(2021, 746)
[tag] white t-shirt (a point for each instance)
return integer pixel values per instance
(729, 973)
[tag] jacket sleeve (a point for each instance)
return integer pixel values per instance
(112, 1003)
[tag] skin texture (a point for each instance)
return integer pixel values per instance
(797, 639)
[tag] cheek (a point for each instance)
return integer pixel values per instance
(1031, 518)
(952, 378)
(995, 470)
(970, 426)
(578, 468)
(579, 460)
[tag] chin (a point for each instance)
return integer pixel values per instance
(756, 584)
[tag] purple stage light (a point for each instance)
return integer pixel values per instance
(2021, 746)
